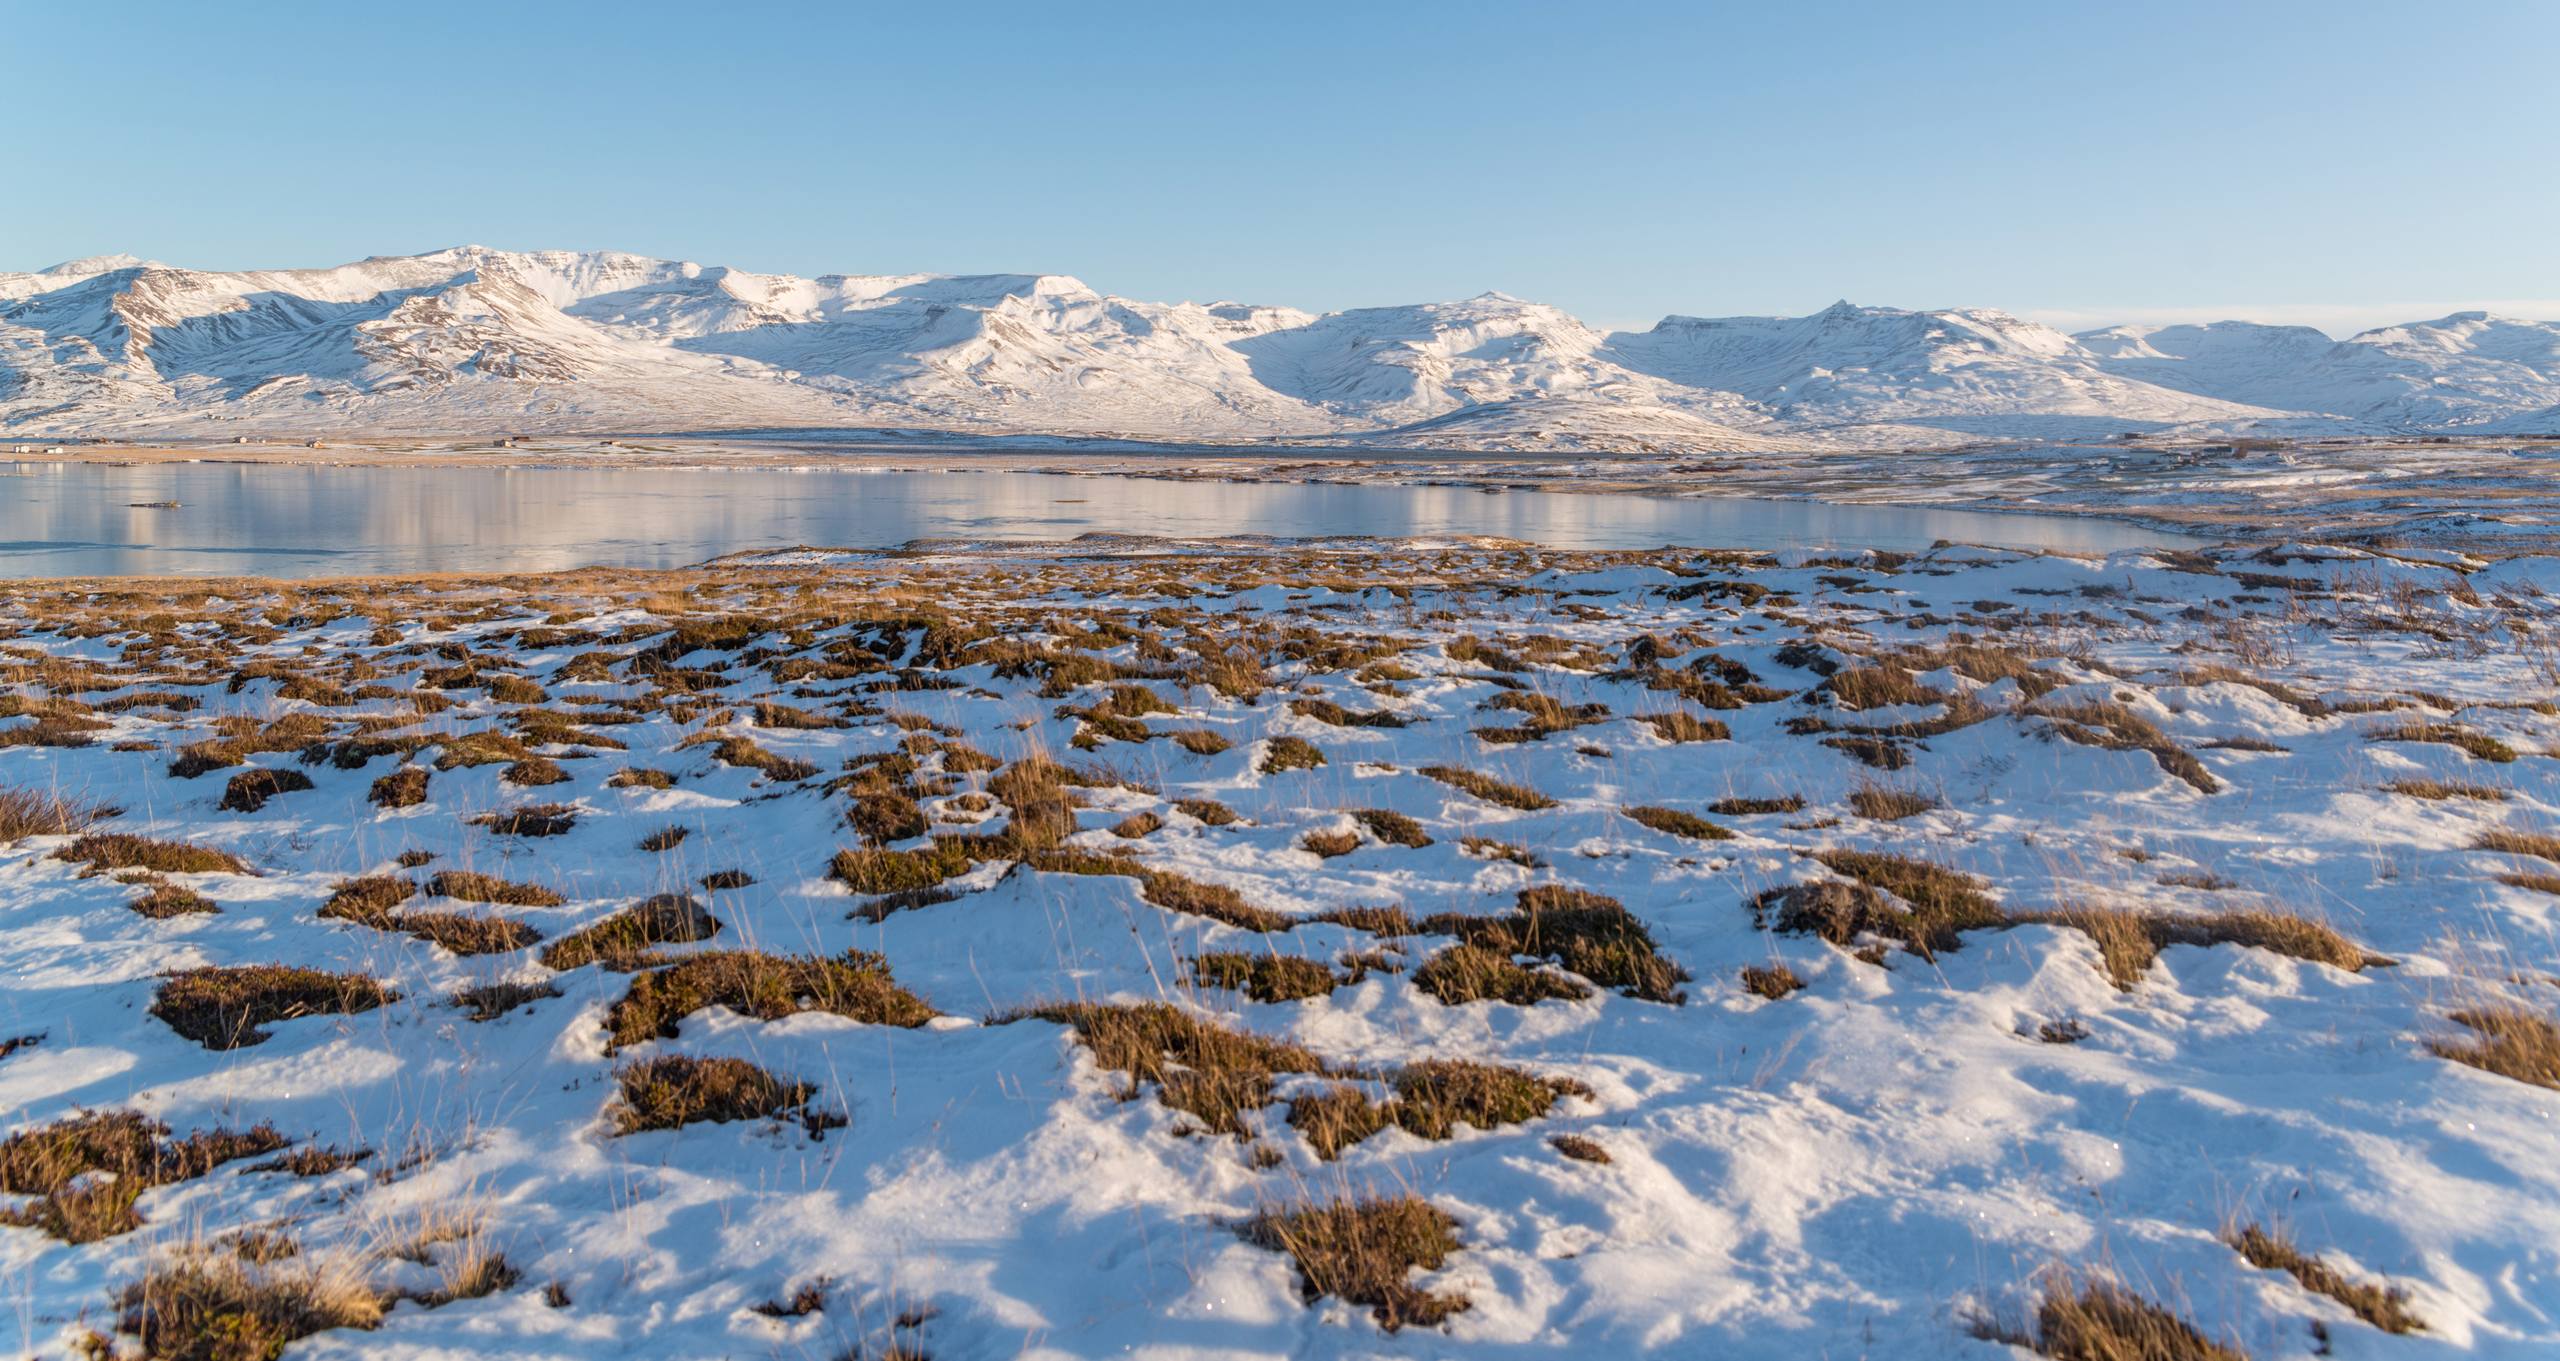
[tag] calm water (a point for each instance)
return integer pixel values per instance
(81, 519)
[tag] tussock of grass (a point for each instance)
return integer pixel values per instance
(2471, 743)
(898, 871)
(205, 1307)
(1885, 803)
(59, 1163)
(1391, 827)
(675, 1090)
(402, 788)
(2129, 941)
(767, 987)
(1468, 973)
(1679, 725)
(121, 851)
(1266, 978)
(1580, 1149)
(2509, 1041)
(1742, 807)
(1771, 981)
(641, 777)
(2384, 1307)
(34, 812)
(1327, 845)
(489, 1001)
(369, 899)
(2540, 845)
(2116, 727)
(1208, 812)
(1878, 686)
(1675, 822)
(1487, 788)
(169, 900)
(2447, 789)
(1485, 847)
(626, 940)
(1165, 889)
(1431, 1100)
(488, 888)
(1943, 903)
(228, 1008)
(1589, 934)
(1289, 753)
(1363, 1251)
(2098, 1320)
(1334, 715)
(1199, 1067)
(532, 819)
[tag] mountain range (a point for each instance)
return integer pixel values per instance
(479, 341)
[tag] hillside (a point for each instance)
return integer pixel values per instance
(473, 340)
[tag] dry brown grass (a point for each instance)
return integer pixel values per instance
(1364, 1251)
(1391, 827)
(2447, 789)
(89, 1170)
(488, 888)
(766, 987)
(1327, 845)
(1580, 1149)
(1164, 888)
(1743, 807)
(627, 939)
(1487, 788)
(121, 851)
(2116, 727)
(35, 812)
(1772, 981)
(2509, 1041)
(207, 1307)
(2099, 1320)
(402, 788)
(2470, 742)
(1199, 1067)
(1887, 803)
(2540, 845)
(1267, 977)
(1589, 934)
(1679, 725)
(1943, 903)
(489, 1001)
(1431, 1099)
(2129, 941)
(1676, 822)
(2384, 1307)
(169, 900)
(675, 1090)
(1289, 753)
(228, 1008)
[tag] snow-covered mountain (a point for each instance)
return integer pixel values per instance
(476, 340)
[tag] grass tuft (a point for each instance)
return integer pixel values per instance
(1364, 1251)
(228, 1008)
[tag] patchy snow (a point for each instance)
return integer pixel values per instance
(1855, 1169)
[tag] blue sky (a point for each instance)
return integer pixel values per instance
(2338, 163)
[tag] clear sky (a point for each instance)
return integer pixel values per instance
(2339, 163)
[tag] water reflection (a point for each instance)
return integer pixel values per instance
(81, 519)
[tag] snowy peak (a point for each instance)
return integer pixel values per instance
(473, 338)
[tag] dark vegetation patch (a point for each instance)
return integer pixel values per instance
(1198, 1067)
(674, 1090)
(248, 791)
(1268, 977)
(766, 987)
(627, 940)
(1391, 827)
(170, 900)
(1772, 981)
(1365, 1251)
(1589, 934)
(2099, 1320)
(1887, 803)
(2129, 941)
(35, 812)
(1747, 807)
(1679, 725)
(1675, 822)
(532, 819)
(1431, 1099)
(2446, 789)
(2507, 1040)
(1164, 888)
(489, 888)
(1487, 788)
(229, 1008)
(121, 851)
(1580, 1148)
(489, 1001)
(1289, 753)
(2384, 1307)
(2115, 727)
(61, 1164)
(402, 788)
(2471, 743)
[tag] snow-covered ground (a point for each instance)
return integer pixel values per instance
(2174, 755)
(474, 340)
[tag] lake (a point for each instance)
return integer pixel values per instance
(77, 519)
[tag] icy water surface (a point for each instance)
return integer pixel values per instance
(234, 519)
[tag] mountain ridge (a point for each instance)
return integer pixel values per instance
(472, 339)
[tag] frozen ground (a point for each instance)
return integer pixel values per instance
(2254, 779)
